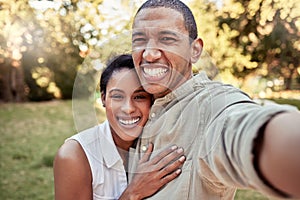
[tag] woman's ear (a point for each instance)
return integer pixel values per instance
(103, 99)
(196, 49)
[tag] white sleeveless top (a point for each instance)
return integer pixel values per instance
(108, 173)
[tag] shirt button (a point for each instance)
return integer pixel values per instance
(152, 115)
(144, 148)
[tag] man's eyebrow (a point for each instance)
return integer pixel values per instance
(163, 32)
(168, 32)
(138, 33)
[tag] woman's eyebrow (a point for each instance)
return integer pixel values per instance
(115, 90)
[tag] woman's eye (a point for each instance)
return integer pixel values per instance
(116, 96)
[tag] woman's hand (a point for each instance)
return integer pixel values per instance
(151, 175)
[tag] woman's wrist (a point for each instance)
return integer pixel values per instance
(130, 194)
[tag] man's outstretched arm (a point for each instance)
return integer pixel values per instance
(279, 153)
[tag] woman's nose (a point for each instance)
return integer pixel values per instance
(128, 107)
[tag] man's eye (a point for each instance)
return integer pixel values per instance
(138, 40)
(167, 39)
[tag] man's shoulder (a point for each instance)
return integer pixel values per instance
(201, 83)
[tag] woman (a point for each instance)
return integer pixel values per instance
(93, 164)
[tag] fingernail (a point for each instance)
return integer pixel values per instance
(182, 158)
(180, 150)
(174, 147)
(178, 171)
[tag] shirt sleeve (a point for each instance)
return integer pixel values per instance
(231, 133)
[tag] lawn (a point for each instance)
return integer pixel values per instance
(30, 134)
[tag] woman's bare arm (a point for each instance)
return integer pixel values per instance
(72, 173)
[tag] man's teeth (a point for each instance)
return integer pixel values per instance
(155, 71)
(129, 122)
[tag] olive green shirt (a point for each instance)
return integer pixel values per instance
(216, 124)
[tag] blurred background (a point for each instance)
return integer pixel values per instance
(49, 49)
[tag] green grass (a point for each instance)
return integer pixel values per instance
(30, 134)
(293, 102)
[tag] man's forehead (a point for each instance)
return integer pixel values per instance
(156, 30)
(158, 17)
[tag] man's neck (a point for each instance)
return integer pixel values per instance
(166, 92)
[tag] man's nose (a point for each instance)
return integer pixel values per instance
(151, 52)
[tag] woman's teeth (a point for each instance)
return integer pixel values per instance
(129, 122)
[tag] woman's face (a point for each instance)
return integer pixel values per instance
(127, 104)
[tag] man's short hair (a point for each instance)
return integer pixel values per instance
(189, 20)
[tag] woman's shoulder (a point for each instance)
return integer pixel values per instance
(92, 133)
(71, 152)
(71, 168)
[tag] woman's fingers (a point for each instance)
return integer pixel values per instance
(166, 179)
(172, 167)
(156, 159)
(170, 158)
(154, 173)
(165, 165)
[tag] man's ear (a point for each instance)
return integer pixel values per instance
(196, 49)
(103, 99)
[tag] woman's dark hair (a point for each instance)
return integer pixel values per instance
(115, 64)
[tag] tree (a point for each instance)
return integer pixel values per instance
(14, 17)
(268, 32)
(54, 41)
(220, 55)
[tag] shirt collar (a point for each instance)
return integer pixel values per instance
(182, 91)
(109, 149)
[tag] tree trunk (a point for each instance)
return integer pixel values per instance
(5, 93)
(11, 83)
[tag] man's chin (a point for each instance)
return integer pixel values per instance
(156, 89)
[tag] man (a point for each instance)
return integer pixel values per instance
(230, 142)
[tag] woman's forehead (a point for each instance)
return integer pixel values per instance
(124, 78)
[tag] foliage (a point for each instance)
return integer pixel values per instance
(34, 40)
(45, 49)
(268, 33)
(53, 42)
(16, 23)
(217, 42)
(58, 48)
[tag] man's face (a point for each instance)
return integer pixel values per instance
(162, 51)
